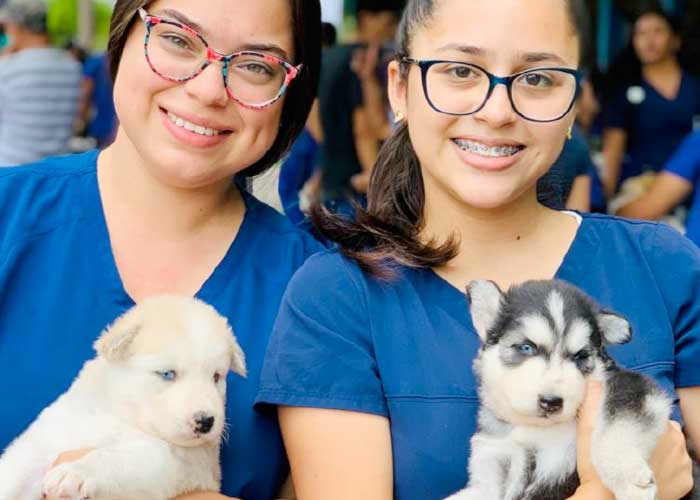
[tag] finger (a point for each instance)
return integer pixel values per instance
(675, 425)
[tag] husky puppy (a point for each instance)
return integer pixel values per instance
(150, 405)
(541, 341)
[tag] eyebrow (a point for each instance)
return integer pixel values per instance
(527, 57)
(257, 47)
(538, 57)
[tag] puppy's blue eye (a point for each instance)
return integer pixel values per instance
(527, 349)
(168, 375)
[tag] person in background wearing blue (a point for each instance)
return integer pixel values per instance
(678, 179)
(301, 164)
(97, 113)
(84, 237)
(647, 120)
(370, 362)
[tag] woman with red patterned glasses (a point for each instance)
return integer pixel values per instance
(178, 53)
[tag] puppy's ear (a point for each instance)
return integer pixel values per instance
(615, 328)
(485, 303)
(114, 342)
(237, 357)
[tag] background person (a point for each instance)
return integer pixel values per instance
(162, 209)
(370, 364)
(352, 125)
(39, 87)
(652, 113)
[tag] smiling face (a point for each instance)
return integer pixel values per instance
(191, 134)
(492, 157)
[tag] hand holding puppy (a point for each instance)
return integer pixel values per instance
(670, 461)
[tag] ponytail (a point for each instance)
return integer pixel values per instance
(387, 232)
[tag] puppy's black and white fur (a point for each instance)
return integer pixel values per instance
(541, 342)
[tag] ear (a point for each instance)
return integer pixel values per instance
(114, 342)
(615, 328)
(237, 356)
(485, 303)
(396, 87)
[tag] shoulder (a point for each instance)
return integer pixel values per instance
(657, 243)
(41, 196)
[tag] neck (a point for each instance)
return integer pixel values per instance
(481, 230)
(32, 41)
(662, 67)
(131, 192)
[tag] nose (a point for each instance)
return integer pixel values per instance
(550, 404)
(208, 86)
(498, 110)
(203, 423)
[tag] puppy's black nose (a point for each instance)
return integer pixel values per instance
(550, 404)
(203, 423)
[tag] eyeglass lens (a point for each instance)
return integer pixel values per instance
(179, 54)
(462, 89)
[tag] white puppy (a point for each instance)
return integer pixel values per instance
(151, 406)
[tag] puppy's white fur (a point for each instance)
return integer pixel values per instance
(538, 341)
(140, 405)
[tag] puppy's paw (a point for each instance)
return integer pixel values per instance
(68, 481)
(640, 486)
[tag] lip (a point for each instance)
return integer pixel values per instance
(190, 138)
(487, 164)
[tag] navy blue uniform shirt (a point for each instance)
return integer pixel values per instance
(404, 349)
(655, 125)
(59, 287)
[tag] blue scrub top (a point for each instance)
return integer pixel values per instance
(59, 287)
(655, 125)
(404, 349)
(685, 163)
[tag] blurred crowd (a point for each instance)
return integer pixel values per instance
(53, 100)
(635, 150)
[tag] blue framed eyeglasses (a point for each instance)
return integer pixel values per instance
(459, 88)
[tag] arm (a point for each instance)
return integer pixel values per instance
(690, 407)
(667, 191)
(313, 122)
(580, 195)
(366, 145)
(364, 64)
(337, 454)
(614, 145)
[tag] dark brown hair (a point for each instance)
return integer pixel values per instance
(306, 26)
(387, 231)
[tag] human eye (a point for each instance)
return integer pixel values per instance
(177, 40)
(537, 80)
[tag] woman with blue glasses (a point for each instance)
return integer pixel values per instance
(208, 94)
(370, 363)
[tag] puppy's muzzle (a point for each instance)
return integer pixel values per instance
(550, 405)
(203, 423)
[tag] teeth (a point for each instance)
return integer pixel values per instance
(197, 129)
(484, 150)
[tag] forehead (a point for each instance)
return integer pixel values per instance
(650, 21)
(229, 26)
(504, 29)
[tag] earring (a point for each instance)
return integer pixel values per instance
(398, 117)
(569, 133)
